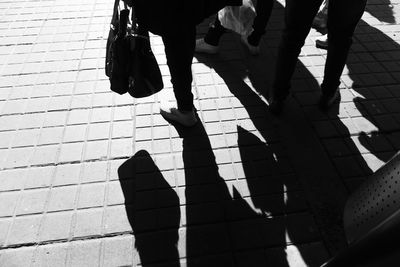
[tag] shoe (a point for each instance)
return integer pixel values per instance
(326, 101)
(254, 50)
(276, 106)
(187, 119)
(319, 22)
(322, 41)
(203, 47)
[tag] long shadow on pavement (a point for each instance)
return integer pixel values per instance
(374, 79)
(153, 211)
(329, 127)
(246, 218)
(228, 221)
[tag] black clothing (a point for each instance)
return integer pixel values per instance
(163, 16)
(343, 16)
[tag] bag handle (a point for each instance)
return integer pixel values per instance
(135, 30)
(118, 6)
(115, 16)
(134, 19)
(132, 15)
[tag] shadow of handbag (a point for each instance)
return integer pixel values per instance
(130, 63)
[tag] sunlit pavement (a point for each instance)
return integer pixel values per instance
(91, 178)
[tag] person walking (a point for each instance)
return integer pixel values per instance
(343, 18)
(175, 21)
(210, 43)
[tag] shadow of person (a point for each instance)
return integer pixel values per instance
(248, 79)
(234, 74)
(207, 231)
(219, 221)
(231, 221)
(306, 92)
(383, 11)
(375, 82)
(153, 210)
(275, 193)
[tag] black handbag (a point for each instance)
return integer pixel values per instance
(130, 64)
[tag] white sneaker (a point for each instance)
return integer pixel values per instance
(254, 50)
(203, 47)
(187, 119)
(322, 41)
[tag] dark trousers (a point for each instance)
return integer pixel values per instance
(343, 16)
(263, 11)
(179, 50)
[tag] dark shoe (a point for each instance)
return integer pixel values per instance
(326, 101)
(322, 41)
(320, 21)
(254, 50)
(276, 106)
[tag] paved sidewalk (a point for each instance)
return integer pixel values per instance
(91, 178)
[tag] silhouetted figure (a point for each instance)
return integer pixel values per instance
(153, 210)
(223, 228)
(343, 17)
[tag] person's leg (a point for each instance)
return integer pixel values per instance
(299, 16)
(179, 53)
(263, 11)
(343, 18)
